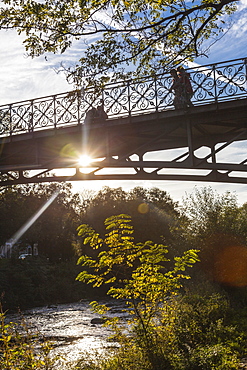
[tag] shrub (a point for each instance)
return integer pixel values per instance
(167, 331)
(18, 348)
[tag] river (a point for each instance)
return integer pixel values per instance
(69, 327)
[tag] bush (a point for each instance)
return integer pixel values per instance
(18, 348)
(167, 331)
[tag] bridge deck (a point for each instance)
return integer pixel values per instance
(48, 133)
(209, 124)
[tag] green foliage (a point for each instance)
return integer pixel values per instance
(136, 273)
(197, 333)
(206, 336)
(193, 332)
(167, 330)
(152, 211)
(18, 348)
(217, 225)
(209, 212)
(141, 35)
(126, 263)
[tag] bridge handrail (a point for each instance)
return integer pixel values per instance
(215, 82)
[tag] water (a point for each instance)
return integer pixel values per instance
(69, 327)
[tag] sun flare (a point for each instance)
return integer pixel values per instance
(84, 160)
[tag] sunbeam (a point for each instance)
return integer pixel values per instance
(32, 220)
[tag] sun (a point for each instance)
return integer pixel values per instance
(84, 160)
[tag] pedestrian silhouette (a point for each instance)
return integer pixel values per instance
(91, 116)
(101, 112)
(187, 90)
(177, 88)
(96, 115)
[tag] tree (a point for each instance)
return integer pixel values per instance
(12, 214)
(217, 226)
(209, 212)
(144, 36)
(152, 211)
(137, 273)
(55, 227)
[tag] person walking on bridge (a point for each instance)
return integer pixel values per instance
(187, 90)
(101, 112)
(177, 88)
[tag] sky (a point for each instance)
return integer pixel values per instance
(23, 78)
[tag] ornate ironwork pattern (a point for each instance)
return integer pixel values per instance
(211, 83)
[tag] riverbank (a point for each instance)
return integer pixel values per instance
(199, 333)
(71, 328)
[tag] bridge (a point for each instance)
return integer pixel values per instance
(144, 137)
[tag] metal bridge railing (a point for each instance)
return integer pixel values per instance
(211, 83)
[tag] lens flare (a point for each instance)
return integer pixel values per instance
(31, 221)
(143, 208)
(231, 266)
(84, 160)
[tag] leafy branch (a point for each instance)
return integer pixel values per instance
(140, 35)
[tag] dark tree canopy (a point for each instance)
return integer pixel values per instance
(119, 35)
(218, 227)
(53, 230)
(153, 212)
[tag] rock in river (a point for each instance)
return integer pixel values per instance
(97, 320)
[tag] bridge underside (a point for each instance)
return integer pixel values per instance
(191, 145)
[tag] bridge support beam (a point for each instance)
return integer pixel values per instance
(182, 145)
